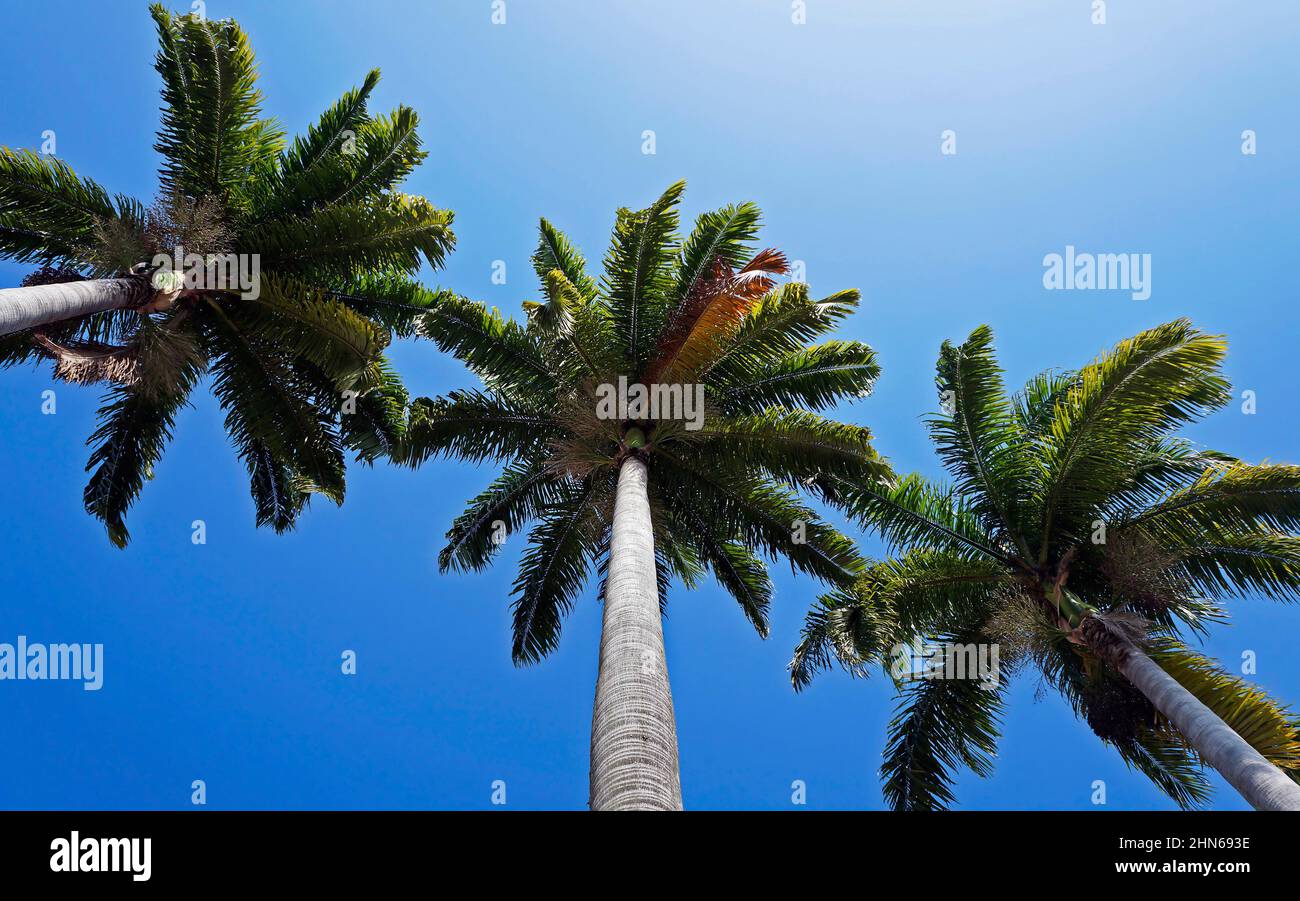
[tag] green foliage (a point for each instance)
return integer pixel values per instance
(299, 368)
(726, 496)
(1016, 536)
(940, 725)
(211, 135)
(48, 213)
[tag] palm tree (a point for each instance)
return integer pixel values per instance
(635, 496)
(1080, 536)
(296, 361)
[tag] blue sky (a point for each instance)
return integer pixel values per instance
(222, 660)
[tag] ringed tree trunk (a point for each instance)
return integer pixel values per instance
(24, 308)
(1261, 783)
(633, 732)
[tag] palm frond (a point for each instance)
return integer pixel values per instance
(778, 325)
(1125, 400)
(48, 213)
(268, 411)
(940, 725)
(523, 491)
(211, 137)
(553, 571)
(394, 233)
(813, 378)
(302, 323)
(474, 426)
(555, 251)
(979, 439)
(792, 446)
(309, 169)
(1264, 497)
(498, 350)
(912, 512)
(843, 627)
(134, 428)
(742, 574)
(761, 515)
(636, 281)
(697, 329)
(726, 235)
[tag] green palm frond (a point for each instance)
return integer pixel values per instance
(1166, 465)
(1125, 400)
(48, 213)
(498, 350)
(578, 334)
(763, 516)
(743, 575)
(554, 569)
(940, 725)
(1035, 404)
(913, 512)
(290, 317)
(843, 627)
(926, 590)
(309, 169)
(373, 418)
(388, 148)
(1266, 497)
(978, 440)
(814, 378)
(1239, 562)
(792, 446)
(396, 232)
(474, 426)
(211, 138)
(727, 235)
(392, 300)
(265, 409)
(778, 325)
(637, 283)
(1166, 761)
(519, 495)
(555, 251)
(134, 428)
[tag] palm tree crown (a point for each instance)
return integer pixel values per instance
(700, 311)
(1077, 524)
(298, 369)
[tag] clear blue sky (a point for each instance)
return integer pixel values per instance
(222, 660)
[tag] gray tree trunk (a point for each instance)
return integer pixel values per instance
(24, 308)
(633, 733)
(1261, 783)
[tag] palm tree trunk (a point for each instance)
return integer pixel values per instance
(633, 733)
(24, 308)
(1261, 783)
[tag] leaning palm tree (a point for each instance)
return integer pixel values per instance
(295, 351)
(1080, 537)
(707, 480)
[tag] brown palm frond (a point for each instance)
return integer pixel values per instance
(712, 312)
(91, 362)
